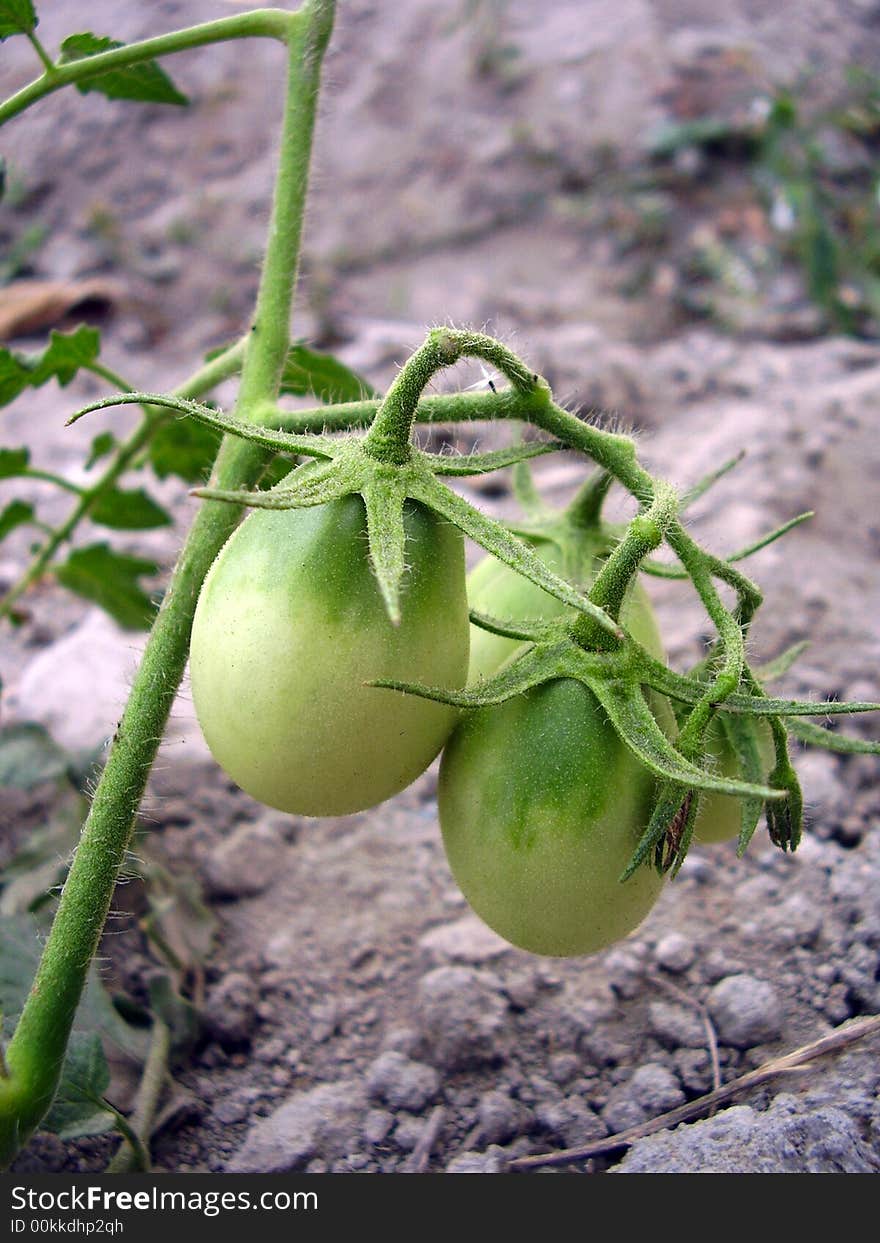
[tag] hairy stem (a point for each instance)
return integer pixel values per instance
(37, 1049)
(644, 534)
(388, 440)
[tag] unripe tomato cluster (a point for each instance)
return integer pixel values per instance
(541, 804)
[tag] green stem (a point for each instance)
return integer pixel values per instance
(508, 404)
(266, 23)
(48, 477)
(128, 1156)
(112, 377)
(617, 455)
(644, 534)
(36, 1052)
(206, 378)
(44, 56)
(388, 440)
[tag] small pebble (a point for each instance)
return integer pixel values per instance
(746, 1011)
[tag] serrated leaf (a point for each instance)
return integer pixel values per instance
(110, 580)
(103, 443)
(28, 756)
(64, 355)
(17, 17)
(14, 515)
(128, 510)
(325, 377)
(146, 82)
(62, 358)
(14, 376)
(77, 1109)
(185, 448)
(13, 462)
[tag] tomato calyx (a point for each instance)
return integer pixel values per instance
(618, 679)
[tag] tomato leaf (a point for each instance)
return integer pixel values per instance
(110, 580)
(17, 17)
(62, 358)
(28, 756)
(184, 448)
(14, 376)
(14, 515)
(78, 1109)
(13, 462)
(128, 510)
(325, 377)
(145, 82)
(103, 443)
(64, 355)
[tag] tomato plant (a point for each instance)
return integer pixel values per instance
(541, 807)
(289, 628)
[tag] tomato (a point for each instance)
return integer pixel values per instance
(719, 815)
(541, 807)
(290, 626)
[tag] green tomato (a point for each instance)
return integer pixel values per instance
(541, 808)
(719, 815)
(290, 626)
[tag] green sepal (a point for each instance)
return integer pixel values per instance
(521, 630)
(525, 490)
(781, 664)
(742, 736)
(300, 490)
(673, 802)
(689, 690)
(784, 819)
(383, 499)
(483, 463)
(495, 539)
(660, 570)
(637, 727)
(702, 486)
(281, 442)
(531, 669)
(816, 736)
